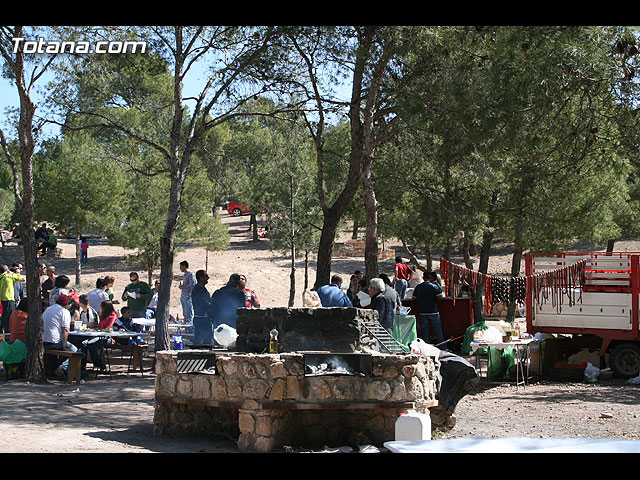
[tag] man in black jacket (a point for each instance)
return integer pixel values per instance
(381, 303)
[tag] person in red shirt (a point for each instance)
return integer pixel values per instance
(18, 321)
(108, 315)
(401, 276)
(251, 300)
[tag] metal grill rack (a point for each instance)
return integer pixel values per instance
(384, 338)
(190, 362)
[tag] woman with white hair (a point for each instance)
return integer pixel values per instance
(382, 304)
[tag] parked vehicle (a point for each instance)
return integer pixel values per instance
(608, 307)
(236, 209)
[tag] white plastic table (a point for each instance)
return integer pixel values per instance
(522, 355)
(516, 445)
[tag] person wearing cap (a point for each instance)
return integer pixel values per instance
(8, 279)
(56, 321)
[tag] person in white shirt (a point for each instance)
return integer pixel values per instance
(88, 314)
(98, 294)
(153, 304)
(56, 320)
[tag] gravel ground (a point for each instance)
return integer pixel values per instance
(547, 409)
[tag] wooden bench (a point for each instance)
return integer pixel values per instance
(75, 363)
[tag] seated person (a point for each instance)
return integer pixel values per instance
(125, 321)
(49, 243)
(107, 316)
(88, 314)
(18, 322)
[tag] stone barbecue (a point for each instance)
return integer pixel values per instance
(326, 386)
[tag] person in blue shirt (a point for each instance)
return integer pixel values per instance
(427, 293)
(331, 295)
(200, 297)
(225, 301)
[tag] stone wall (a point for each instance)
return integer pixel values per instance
(267, 401)
(305, 329)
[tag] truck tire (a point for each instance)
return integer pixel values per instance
(236, 212)
(625, 360)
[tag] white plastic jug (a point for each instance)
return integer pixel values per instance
(225, 335)
(413, 426)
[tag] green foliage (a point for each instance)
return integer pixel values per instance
(76, 188)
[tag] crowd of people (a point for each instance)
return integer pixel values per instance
(64, 307)
(205, 311)
(385, 295)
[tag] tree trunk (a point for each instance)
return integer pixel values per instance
(429, 259)
(354, 232)
(306, 269)
(483, 265)
(371, 210)
(466, 245)
(516, 261)
(78, 264)
(167, 247)
(34, 370)
(292, 211)
(325, 246)
(292, 275)
(253, 226)
(610, 244)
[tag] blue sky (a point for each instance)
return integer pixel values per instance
(9, 98)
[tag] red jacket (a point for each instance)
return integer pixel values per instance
(108, 322)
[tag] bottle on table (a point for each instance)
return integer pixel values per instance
(273, 340)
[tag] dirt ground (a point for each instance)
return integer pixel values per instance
(115, 415)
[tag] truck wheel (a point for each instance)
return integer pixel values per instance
(625, 360)
(236, 212)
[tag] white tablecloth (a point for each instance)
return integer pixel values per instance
(118, 334)
(516, 445)
(502, 345)
(145, 322)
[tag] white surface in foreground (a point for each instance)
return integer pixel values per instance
(516, 445)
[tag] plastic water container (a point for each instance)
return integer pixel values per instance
(413, 426)
(177, 342)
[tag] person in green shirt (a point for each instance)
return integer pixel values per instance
(137, 295)
(8, 280)
(51, 242)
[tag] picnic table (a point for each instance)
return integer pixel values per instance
(135, 350)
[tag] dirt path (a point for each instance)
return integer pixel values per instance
(100, 416)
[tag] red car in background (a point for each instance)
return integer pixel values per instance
(236, 209)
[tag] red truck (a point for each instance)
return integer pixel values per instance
(607, 310)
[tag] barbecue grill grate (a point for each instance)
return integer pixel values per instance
(190, 362)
